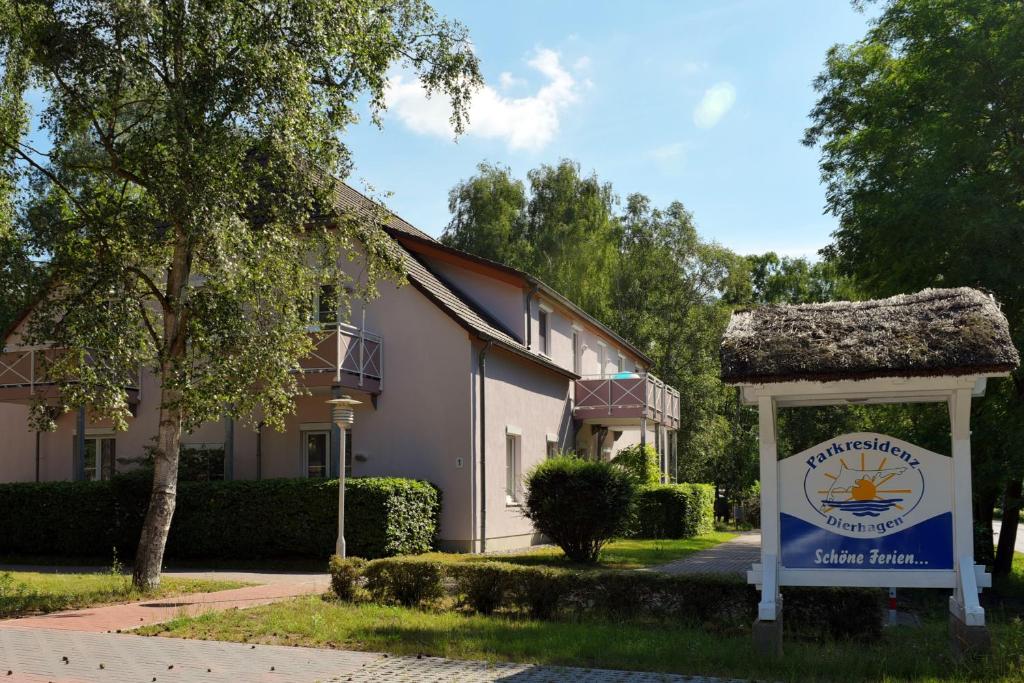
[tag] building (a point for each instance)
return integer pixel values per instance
(469, 373)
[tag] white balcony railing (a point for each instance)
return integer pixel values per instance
(348, 352)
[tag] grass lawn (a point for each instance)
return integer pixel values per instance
(627, 553)
(903, 654)
(32, 592)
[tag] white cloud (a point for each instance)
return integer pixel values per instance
(528, 123)
(508, 81)
(717, 100)
(581, 63)
(669, 152)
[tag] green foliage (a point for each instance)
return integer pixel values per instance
(222, 519)
(548, 592)
(579, 504)
(640, 463)
(926, 177)
(346, 574)
(675, 510)
(484, 586)
(563, 231)
(405, 580)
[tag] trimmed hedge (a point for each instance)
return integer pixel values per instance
(675, 511)
(221, 519)
(719, 602)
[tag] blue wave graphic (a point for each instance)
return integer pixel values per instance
(863, 508)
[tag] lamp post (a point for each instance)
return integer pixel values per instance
(343, 416)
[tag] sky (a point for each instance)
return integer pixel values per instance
(701, 102)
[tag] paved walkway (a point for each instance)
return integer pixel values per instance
(731, 557)
(1018, 545)
(124, 617)
(37, 655)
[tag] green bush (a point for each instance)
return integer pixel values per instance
(578, 504)
(675, 511)
(712, 601)
(346, 574)
(640, 463)
(484, 586)
(221, 519)
(405, 580)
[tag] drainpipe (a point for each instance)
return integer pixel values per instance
(259, 450)
(37, 456)
(482, 360)
(529, 315)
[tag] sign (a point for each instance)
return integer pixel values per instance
(866, 501)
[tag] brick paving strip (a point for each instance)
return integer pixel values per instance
(271, 588)
(732, 557)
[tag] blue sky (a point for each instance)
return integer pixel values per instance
(704, 102)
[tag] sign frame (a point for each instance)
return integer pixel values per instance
(966, 579)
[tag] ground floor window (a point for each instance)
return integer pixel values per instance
(99, 457)
(316, 449)
(552, 449)
(201, 462)
(512, 468)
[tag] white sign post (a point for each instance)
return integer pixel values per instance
(867, 509)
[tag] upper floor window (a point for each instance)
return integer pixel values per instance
(621, 363)
(577, 352)
(544, 330)
(325, 306)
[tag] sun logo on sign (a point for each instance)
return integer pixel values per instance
(864, 491)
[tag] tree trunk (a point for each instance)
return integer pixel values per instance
(1008, 529)
(984, 508)
(162, 499)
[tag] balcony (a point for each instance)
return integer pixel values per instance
(23, 376)
(345, 355)
(626, 398)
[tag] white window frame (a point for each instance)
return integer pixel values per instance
(97, 435)
(602, 358)
(577, 350)
(544, 329)
(314, 315)
(513, 464)
(622, 362)
(305, 432)
(551, 440)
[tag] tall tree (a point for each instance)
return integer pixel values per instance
(489, 216)
(181, 204)
(921, 127)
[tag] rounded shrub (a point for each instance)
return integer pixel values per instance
(578, 504)
(345, 576)
(640, 463)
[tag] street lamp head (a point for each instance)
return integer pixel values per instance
(341, 411)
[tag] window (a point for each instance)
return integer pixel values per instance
(316, 448)
(201, 462)
(98, 463)
(552, 443)
(621, 364)
(544, 331)
(325, 306)
(511, 468)
(577, 352)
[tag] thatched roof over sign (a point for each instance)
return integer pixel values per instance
(931, 333)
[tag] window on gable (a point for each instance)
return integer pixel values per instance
(544, 331)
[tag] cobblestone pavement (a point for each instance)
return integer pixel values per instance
(731, 557)
(36, 655)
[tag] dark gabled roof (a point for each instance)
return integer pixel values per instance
(937, 332)
(411, 240)
(461, 309)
